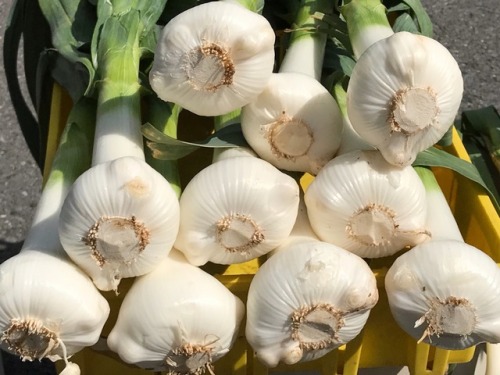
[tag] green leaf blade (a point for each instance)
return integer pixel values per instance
(434, 157)
(168, 148)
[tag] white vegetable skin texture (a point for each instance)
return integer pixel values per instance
(232, 152)
(363, 182)
(400, 62)
(124, 187)
(442, 269)
(55, 293)
(306, 147)
(304, 274)
(246, 40)
(173, 305)
(244, 186)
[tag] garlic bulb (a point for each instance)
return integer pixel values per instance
(403, 95)
(295, 123)
(307, 299)
(49, 308)
(446, 293)
(176, 318)
(235, 210)
(363, 204)
(119, 220)
(213, 58)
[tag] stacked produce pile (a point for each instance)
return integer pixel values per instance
(352, 97)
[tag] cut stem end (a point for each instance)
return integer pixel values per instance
(238, 233)
(453, 316)
(413, 109)
(30, 339)
(209, 67)
(290, 137)
(189, 359)
(316, 327)
(373, 225)
(117, 240)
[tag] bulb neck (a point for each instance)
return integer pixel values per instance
(351, 140)
(118, 123)
(440, 220)
(256, 6)
(367, 23)
(71, 159)
(306, 46)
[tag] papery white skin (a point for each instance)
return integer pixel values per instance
(42, 286)
(303, 274)
(247, 36)
(442, 269)
(401, 61)
(297, 96)
(124, 187)
(236, 186)
(175, 304)
(232, 152)
(353, 181)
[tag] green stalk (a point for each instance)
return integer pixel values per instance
(350, 138)
(118, 124)
(367, 23)
(440, 220)
(227, 119)
(71, 159)
(164, 117)
(256, 6)
(306, 46)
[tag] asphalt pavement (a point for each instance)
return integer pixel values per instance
(469, 29)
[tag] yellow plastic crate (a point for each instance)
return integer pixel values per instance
(381, 343)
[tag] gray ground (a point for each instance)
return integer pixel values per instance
(468, 28)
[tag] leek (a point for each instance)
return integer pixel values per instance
(121, 217)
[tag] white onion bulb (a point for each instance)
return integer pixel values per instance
(446, 293)
(295, 123)
(403, 95)
(49, 308)
(213, 58)
(235, 210)
(306, 300)
(363, 204)
(119, 220)
(176, 318)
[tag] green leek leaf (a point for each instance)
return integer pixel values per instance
(423, 19)
(405, 23)
(485, 124)
(149, 12)
(434, 157)
(401, 7)
(72, 23)
(165, 147)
